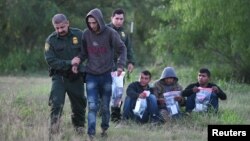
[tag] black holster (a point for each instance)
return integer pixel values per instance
(65, 73)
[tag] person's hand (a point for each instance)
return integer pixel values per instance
(161, 101)
(143, 95)
(119, 71)
(130, 67)
(178, 98)
(75, 61)
(215, 89)
(74, 69)
(195, 89)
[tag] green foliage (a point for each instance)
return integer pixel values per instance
(23, 22)
(26, 24)
(210, 33)
(22, 60)
(230, 117)
(206, 32)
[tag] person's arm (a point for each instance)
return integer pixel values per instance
(217, 90)
(158, 92)
(121, 50)
(130, 54)
(189, 90)
(132, 90)
(76, 61)
(52, 60)
(181, 99)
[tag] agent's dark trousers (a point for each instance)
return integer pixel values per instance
(75, 91)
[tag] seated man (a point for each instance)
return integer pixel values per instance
(140, 89)
(168, 88)
(203, 84)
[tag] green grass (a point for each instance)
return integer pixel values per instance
(24, 113)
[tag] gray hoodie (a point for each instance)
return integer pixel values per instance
(98, 48)
(168, 72)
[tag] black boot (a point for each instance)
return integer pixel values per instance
(115, 114)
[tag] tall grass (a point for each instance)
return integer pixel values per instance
(24, 113)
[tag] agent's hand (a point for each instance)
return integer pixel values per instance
(195, 89)
(130, 67)
(215, 89)
(75, 61)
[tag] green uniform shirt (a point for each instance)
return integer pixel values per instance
(59, 51)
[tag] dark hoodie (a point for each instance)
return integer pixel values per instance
(160, 87)
(98, 48)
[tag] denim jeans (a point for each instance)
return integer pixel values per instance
(214, 102)
(151, 113)
(98, 87)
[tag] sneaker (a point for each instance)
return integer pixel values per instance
(115, 114)
(104, 133)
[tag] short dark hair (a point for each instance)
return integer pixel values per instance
(118, 11)
(146, 72)
(59, 18)
(205, 70)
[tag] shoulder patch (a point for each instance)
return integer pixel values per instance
(47, 46)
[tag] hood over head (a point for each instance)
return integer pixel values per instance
(168, 72)
(97, 14)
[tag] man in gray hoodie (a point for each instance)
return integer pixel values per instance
(99, 45)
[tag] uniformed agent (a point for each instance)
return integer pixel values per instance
(60, 48)
(117, 23)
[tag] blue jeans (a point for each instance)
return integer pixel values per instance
(98, 87)
(214, 102)
(151, 112)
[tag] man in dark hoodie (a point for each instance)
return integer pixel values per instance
(117, 23)
(168, 83)
(203, 82)
(99, 44)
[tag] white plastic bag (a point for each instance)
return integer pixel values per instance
(172, 105)
(117, 88)
(140, 107)
(202, 99)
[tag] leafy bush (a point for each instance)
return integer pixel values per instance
(22, 60)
